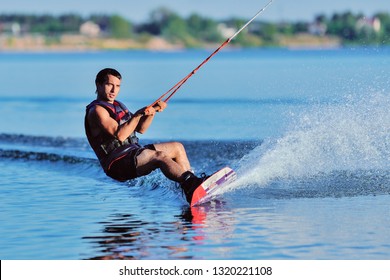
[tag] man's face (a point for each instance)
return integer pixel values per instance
(109, 90)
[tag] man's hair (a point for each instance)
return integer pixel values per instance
(101, 77)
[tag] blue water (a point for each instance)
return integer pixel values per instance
(308, 132)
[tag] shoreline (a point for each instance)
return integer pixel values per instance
(77, 43)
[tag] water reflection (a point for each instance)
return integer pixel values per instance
(127, 236)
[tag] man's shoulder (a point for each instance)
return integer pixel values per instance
(97, 104)
(98, 110)
(94, 109)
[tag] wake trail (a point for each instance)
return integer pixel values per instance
(352, 135)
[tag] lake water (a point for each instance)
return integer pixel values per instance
(308, 132)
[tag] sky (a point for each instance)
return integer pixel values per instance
(139, 10)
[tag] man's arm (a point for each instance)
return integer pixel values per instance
(99, 118)
(145, 121)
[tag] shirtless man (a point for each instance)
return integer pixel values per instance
(111, 132)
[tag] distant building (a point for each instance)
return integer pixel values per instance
(369, 23)
(90, 29)
(317, 28)
(13, 28)
(226, 31)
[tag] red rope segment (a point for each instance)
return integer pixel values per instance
(197, 68)
(176, 87)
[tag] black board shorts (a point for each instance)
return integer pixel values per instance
(124, 167)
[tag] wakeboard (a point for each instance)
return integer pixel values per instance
(220, 179)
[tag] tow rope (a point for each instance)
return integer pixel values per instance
(176, 87)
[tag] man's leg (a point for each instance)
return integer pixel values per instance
(170, 157)
(175, 151)
(172, 160)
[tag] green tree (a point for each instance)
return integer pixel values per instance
(344, 26)
(204, 29)
(175, 29)
(384, 34)
(267, 32)
(119, 27)
(159, 19)
(70, 22)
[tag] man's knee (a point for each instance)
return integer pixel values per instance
(149, 160)
(160, 156)
(179, 147)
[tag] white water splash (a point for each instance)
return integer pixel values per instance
(352, 135)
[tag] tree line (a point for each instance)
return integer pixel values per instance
(196, 30)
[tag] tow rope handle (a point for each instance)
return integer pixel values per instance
(176, 87)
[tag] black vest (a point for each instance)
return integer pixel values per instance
(106, 147)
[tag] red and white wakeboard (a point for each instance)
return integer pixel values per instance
(216, 181)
